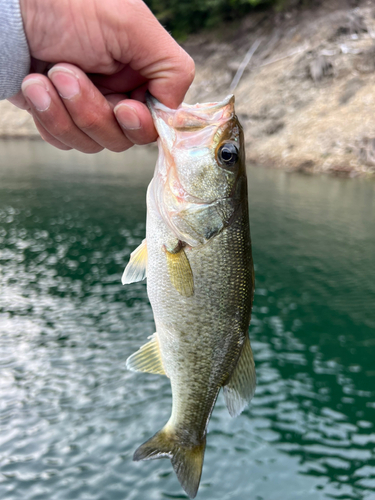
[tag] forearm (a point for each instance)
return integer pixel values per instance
(14, 51)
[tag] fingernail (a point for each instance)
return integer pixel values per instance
(127, 117)
(65, 81)
(35, 91)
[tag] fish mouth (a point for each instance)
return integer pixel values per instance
(153, 104)
(189, 116)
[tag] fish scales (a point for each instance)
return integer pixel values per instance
(200, 277)
(202, 327)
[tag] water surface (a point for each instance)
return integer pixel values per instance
(71, 415)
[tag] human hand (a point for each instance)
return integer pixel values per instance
(113, 52)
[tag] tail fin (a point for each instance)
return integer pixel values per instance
(187, 461)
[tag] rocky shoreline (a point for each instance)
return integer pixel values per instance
(306, 98)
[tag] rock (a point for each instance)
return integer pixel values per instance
(352, 23)
(365, 62)
(366, 151)
(320, 68)
(350, 90)
(306, 167)
(274, 127)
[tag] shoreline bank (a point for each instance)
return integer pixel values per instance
(306, 98)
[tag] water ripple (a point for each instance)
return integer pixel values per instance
(71, 415)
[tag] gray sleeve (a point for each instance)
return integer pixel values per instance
(14, 51)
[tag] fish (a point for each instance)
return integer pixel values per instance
(200, 277)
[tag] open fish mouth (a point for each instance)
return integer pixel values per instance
(153, 103)
(189, 117)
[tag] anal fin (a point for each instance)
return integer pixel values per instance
(137, 265)
(147, 358)
(241, 386)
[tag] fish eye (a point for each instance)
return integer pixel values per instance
(228, 154)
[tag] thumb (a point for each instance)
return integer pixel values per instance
(156, 56)
(173, 78)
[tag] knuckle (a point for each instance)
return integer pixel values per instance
(61, 130)
(190, 68)
(90, 122)
(185, 67)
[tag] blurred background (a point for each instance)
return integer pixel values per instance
(303, 72)
(71, 415)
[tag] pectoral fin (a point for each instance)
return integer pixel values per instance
(180, 272)
(147, 358)
(241, 386)
(137, 265)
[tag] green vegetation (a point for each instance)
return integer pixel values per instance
(186, 16)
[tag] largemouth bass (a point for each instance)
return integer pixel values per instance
(200, 277)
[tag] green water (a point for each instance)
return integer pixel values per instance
(71, 415)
